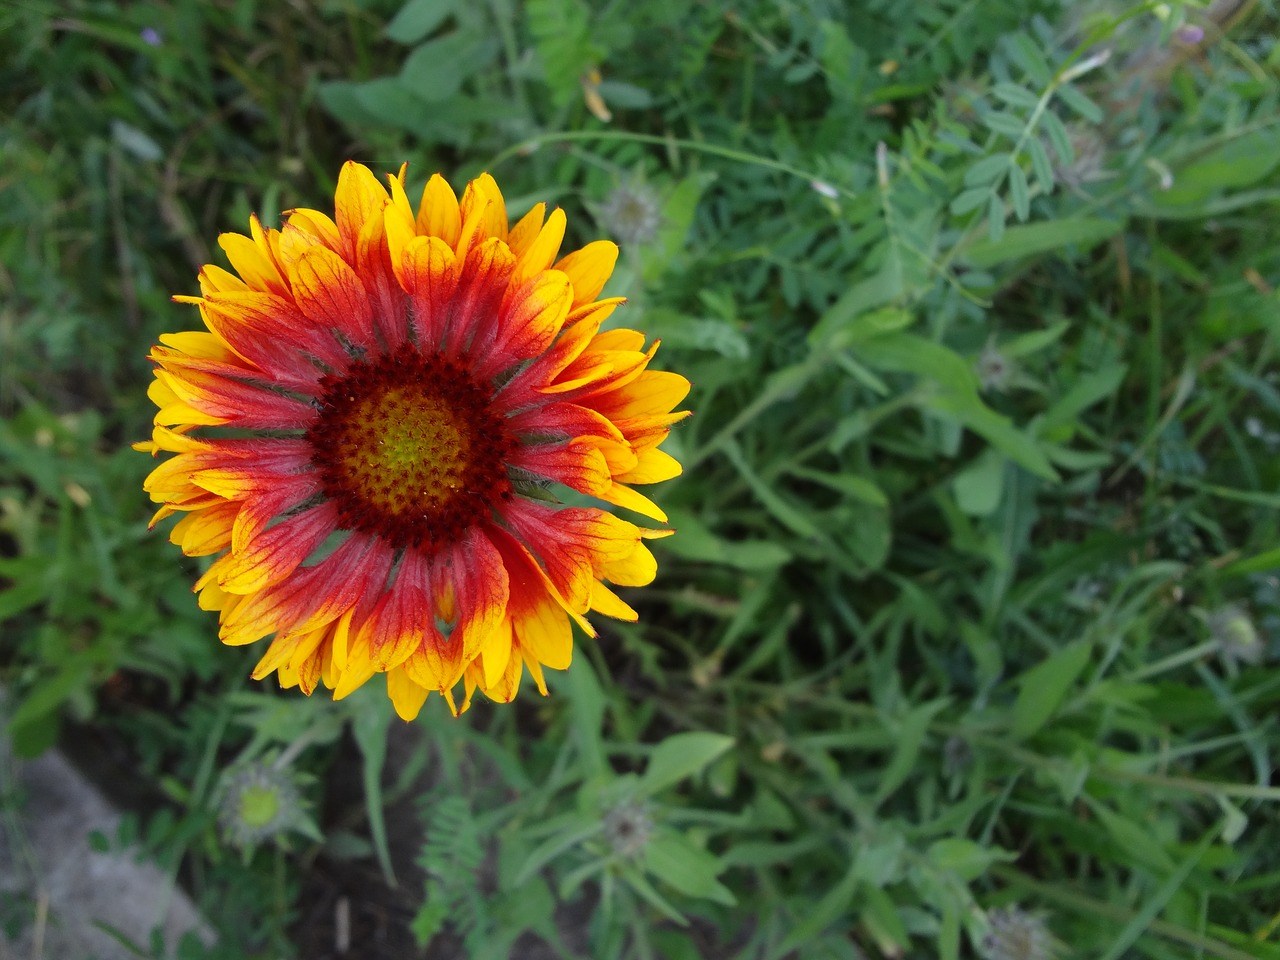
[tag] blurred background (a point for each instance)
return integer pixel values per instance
(966, 644)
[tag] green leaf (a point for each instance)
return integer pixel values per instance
(978, 487)
(675, 861)
(576, 828)
(697, 542)
(1085, 392)
(1016, 95)
(880, 916)
(984, 650)
(1032, 239)
(417, 18)
(678, 211)
(135, 141)
(865, 532)
(844, 63)
(1241, 162)
(1058, 138)
(588, 704)
(372, 720)
(561, 32)
(1138, 843)
(958, 398)
(995, 220)
(1082, 105)
(436, 70)
(862, 326)
(987, 171)
(641, 885)
(680, 756)
(1006, 123)
(1262, 562)
(1040, 165)
(781, 508)
(996, 429)
(1143, 918)
(1029, 343)
(884, 287)
(1026, 54)
(970, 200)
(1019, 192)
(49, 694)
(834, 904)
(1042, 689)
(853, 486)
(909, 733)
(23, 595)
(966, 859)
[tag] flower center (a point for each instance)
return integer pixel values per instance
(259, 806)
(409, 449)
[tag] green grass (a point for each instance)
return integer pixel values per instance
(976, 563)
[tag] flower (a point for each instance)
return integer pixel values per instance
(259, 801)
(993, 368)
(1015, 934)
(367, 434)
(628, 827)
(1235, 635)
(632, 213)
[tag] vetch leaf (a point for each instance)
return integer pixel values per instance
(1006, 123)
(988, 170)
(1019, 192)
(1026, 54)
(1077, 101)
(995, 220)
(1058, 138)
(1040, 165)
(1015, 95)
(970, 200)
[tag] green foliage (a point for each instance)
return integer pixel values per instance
(972, 606)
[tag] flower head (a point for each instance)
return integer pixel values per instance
(259, 802)
(1237, 638)
(632, 212)
(1015, 934)
(368, 433)
(628, 827)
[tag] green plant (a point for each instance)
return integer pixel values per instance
(969, 623)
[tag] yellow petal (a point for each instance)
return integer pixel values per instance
(406, 696)
(438, 214)
(589, 269)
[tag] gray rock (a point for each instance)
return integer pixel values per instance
(65, 894)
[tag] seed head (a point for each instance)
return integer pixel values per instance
(259, 802)
(1015, 934)
(627, 827)
(632, 213)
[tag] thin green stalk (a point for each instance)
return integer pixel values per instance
(624, 136)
